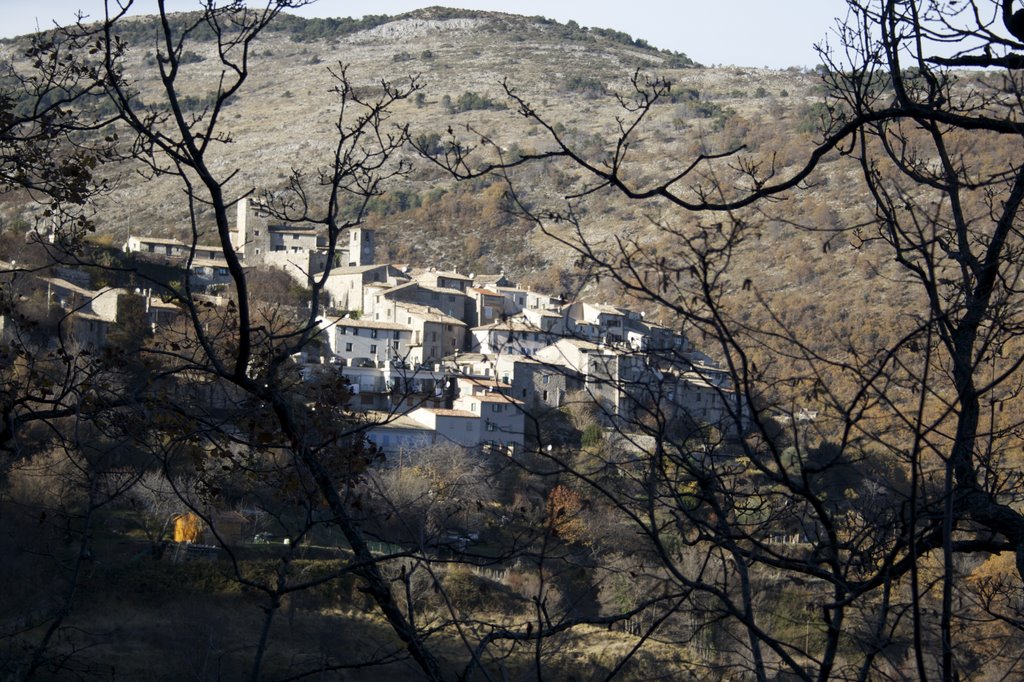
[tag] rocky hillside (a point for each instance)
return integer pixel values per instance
(283, 120)
(284, 116)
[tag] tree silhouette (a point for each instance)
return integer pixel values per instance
(871, 508)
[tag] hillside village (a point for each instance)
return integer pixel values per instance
(431, 355)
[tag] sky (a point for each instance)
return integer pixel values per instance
(775, 33)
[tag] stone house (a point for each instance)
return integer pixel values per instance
(502, 415)
(346, 285)
(173, 249)
(369, 340)
(512, 336)
(596, 322)
(440, 279)
(517, 300)
(298, 250)
(379, 303)
(615, 379)
(434, 334)
(487, 307)
(538, 384)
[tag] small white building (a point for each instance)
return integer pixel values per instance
(517, 300)
(513, 336)
(399, 433)
(596, 322)
(450, 425)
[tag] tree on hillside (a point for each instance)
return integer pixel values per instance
(865, 517)
(245, 350)
(50, 151)
(238, 405)
(43, 148)
(60, 450)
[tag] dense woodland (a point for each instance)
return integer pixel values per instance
(844, 243)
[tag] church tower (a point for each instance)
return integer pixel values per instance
(361, 247)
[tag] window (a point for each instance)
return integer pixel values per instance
(394, 344)
(544, 396)
(348, 347)
(545, 379)
(373, 333)
(490, 426)
(343, 330)
(373, 348)
(395, 334)
(497, 408)
(472, 407)
(295, 236)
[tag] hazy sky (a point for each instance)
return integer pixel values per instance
(776, 33)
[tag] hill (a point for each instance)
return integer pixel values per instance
(283, 121)
(864, 319)
(284, 117)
